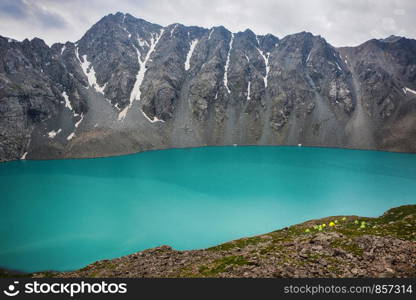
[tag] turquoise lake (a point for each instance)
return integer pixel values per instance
(65, 214)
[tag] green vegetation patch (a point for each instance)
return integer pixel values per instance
(348, 246)
(398, 213)
(222, 264)
(399, 222)
(241, 243)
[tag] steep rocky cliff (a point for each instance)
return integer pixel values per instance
(128, 85)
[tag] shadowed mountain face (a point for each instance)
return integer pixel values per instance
(129, 85)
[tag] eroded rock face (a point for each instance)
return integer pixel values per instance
(129, 85)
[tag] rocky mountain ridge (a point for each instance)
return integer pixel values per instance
(129, 85)
(345, 247)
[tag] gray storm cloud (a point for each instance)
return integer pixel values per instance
(341, 22)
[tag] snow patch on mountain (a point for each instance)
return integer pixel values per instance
(339, 68)
(53, 133)
(135, 93)
(227, 63)
(210, 33)
(406, 89)
(123, 113)
(154, 120)
(173, 30)
(67, 103)
(143, 42)
(71, 136)
(257, 39)
(266, 62)
(80, 120)
(192, 46)
(309, 57)
(89, 71)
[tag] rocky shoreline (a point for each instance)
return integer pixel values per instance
(340, 246)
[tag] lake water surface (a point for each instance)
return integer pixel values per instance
(65, 214)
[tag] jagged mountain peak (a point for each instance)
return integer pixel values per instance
(303, 37)
(129, 85)
(121, 17)
(249, 32)
(386, 43)
(392, 39)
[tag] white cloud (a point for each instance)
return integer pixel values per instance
(341, 22)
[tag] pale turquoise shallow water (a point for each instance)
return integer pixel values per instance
(65, 214)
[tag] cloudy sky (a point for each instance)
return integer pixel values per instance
(341, 22)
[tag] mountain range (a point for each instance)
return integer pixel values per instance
(129, 85)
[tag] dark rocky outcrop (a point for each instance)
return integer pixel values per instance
(129, 85)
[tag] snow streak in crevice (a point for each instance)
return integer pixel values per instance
(136, 93)
(406, 89)
(227, 64)
(53, 133)
(210, 33)
(266, 62)
(309, 56)
(89, 72)
(192, 46)
(154, 120)
(80, 120)
(173, 30)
